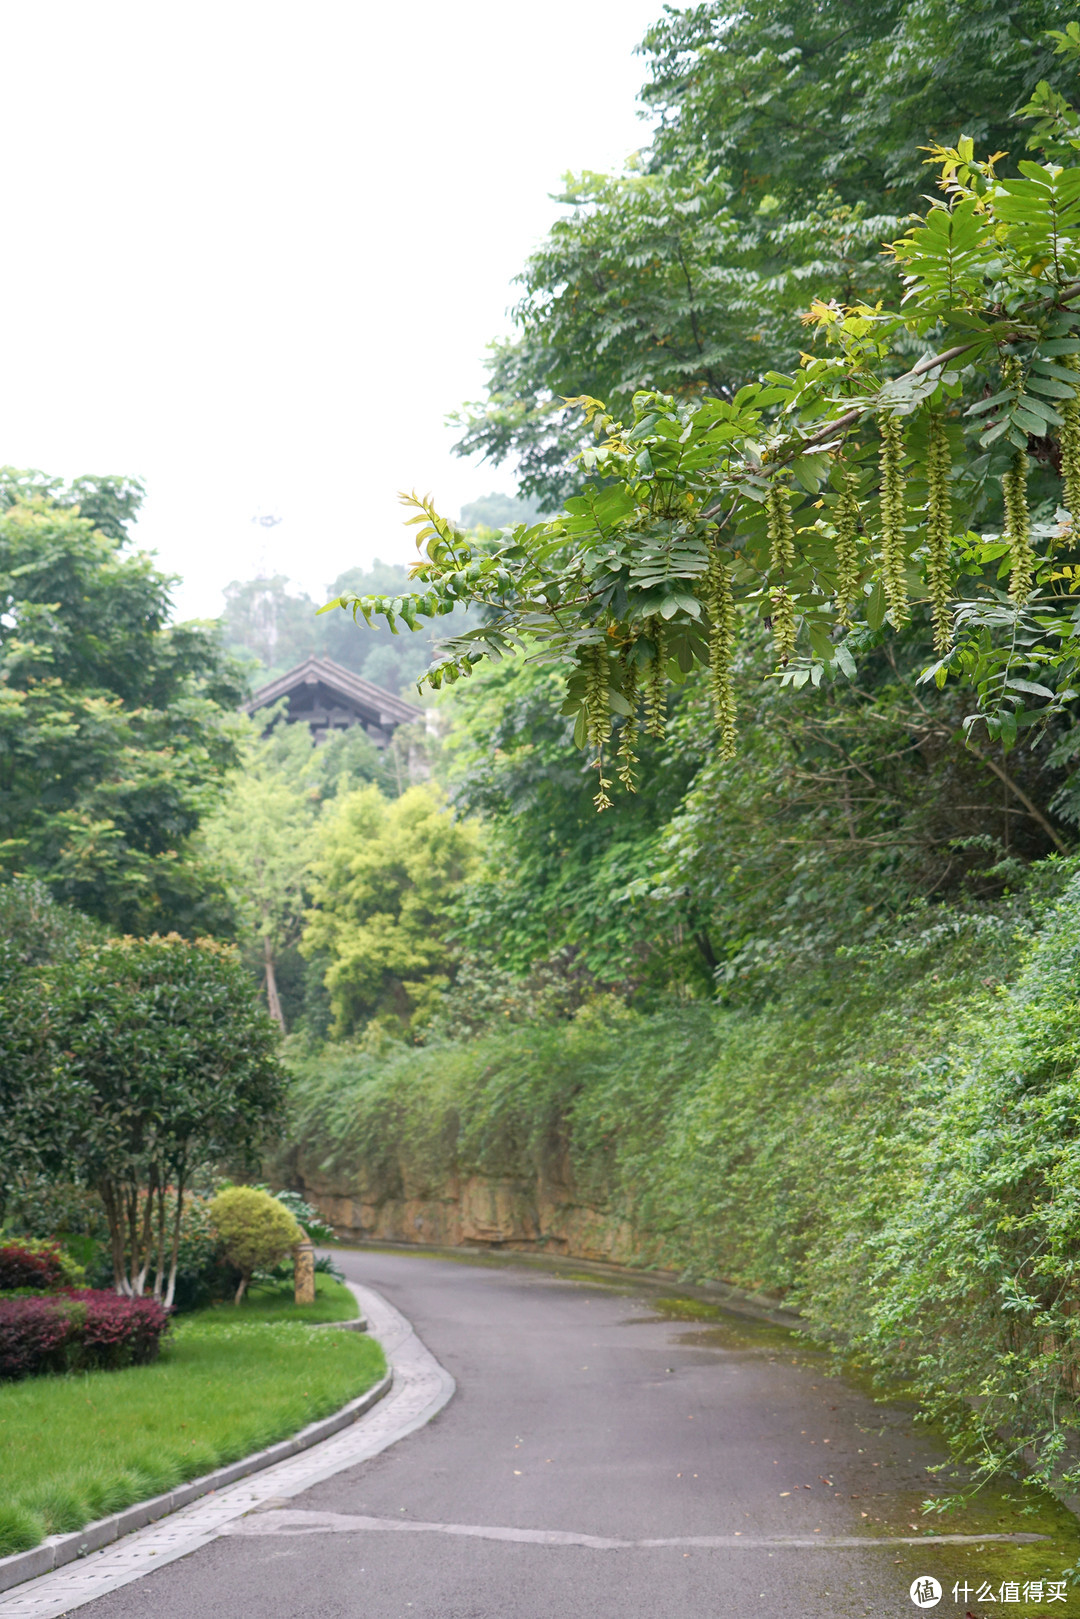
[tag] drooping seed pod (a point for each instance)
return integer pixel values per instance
(721, 607)
(598, 716)
(655, 686)
(781, 532)
(1069, 440)
(1014, 493)
(627, 757)
(846, 522)
(1018, 529)
(893, 551)
(785, 627)
(938, 530)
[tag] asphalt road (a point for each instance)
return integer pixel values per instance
(580, 1410)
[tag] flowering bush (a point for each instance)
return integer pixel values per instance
(78, 1330)
(45, 1266)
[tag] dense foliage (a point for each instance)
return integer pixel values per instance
(177, 1066)
(818, 502)
(787, 149)
(263, 839)
(40, 1266)
(385, 878)
(116, 727)
(38, 1096)
(889, 1145)
(78, 1331)
(256, 1230)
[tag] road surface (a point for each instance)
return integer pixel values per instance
(584, 1424)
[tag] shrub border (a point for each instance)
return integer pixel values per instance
(56, 1550)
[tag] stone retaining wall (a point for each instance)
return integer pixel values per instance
(476, 1210)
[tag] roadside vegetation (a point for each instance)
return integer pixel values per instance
(227, 1383)
(888, 1144)
(732, 893)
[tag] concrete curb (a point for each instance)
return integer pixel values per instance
(60, 1549)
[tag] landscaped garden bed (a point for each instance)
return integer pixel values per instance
(228, 1381)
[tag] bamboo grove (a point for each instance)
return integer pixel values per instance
(923, 460)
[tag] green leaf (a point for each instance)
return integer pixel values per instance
(875, 607)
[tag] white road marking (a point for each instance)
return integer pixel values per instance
(293, 1521)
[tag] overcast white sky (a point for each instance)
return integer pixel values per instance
(253, 253)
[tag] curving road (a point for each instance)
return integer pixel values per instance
(597, 1462)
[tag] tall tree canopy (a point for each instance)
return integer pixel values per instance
(821, 501)
(386, 877)
(787, 149)
(116, 727)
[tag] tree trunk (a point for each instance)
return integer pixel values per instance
(272, 1002)
(114, 1216)
(170, 1291)
(140, 1262)
(240, 1289)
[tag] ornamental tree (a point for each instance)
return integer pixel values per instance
(922, 458)
(257, 1231)
(176, 1066)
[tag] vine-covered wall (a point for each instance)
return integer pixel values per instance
(892, 1146)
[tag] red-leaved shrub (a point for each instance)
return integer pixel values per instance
(36, 1264)
(76, 1331)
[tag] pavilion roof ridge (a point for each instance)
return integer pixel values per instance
(337, 678)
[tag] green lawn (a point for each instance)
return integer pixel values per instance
(228, 1381)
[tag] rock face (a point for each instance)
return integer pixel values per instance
(544, 1214)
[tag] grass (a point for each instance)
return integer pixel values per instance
(333, 1302)
(228, 1381)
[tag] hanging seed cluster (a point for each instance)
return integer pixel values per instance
(782, 563)
(644, 685)
(846, 522)
(598, 716)
(1014, 493)
(893, 550)
(1069, 439)
(721, 608)
(627, 757)
(656, 687)
(938, 531)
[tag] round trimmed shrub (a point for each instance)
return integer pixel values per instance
(256, 1230)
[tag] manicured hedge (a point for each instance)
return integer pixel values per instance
(31, 1264)
(78, 1330)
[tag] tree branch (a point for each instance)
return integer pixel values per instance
(1018, 792)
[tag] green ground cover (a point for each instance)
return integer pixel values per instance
(889, 1143)
(229, 1381)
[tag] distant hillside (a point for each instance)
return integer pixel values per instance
(277, 626)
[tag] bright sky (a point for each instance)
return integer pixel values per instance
(255, 251)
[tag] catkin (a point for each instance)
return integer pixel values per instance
(846, 522)
(627, 757)
(781, 561)
(1018, 529)
(938, 530)
(893, 552)
(655, 686)
(1069, 439)
(598, 716)
(1014, 493)
(721, 607)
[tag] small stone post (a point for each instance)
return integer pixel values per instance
(304, 1270)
